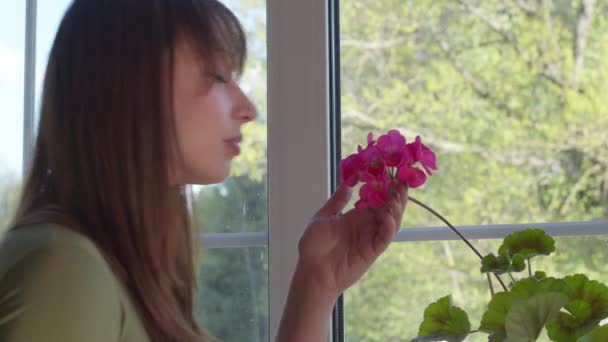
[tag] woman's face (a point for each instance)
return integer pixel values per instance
(210, 109)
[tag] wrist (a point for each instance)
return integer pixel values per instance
(306, 281)
(307, 312)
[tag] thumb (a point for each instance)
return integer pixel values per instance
(337, 201)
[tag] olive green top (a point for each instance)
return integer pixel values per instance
(55, 286)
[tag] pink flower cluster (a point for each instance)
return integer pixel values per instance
(383, 162)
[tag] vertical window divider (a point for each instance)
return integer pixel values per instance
(29, 93)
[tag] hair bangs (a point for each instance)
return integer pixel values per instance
(215, 33)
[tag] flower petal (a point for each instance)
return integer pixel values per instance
(350, 169)
(413, 176)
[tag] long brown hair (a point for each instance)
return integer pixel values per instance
(106, 139)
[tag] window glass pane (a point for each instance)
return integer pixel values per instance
(510, 96)
(49, 15)
(233, 296)
(389, 301)
(240, 203)
(12, 55)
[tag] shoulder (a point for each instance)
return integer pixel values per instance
(41, 246)
(26, 240)
(52, 280)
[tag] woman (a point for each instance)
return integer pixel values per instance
(139, 100)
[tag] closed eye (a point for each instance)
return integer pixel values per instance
(220, 78)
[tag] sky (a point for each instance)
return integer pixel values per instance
(12, 56)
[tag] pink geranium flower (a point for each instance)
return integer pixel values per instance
(376, 189)
(384, 161)
(350, 169)
(424, 155)
(392, 147)
(372, 159)
(410, 175)
(370, 138)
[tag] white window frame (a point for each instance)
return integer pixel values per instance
(299, 157)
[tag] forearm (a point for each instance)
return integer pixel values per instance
(307, 311)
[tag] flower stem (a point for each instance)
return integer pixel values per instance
(490, 284)
(529, 267)
(511, 275)
(439, 216)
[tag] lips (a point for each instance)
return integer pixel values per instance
(234, 144)
(237, 139)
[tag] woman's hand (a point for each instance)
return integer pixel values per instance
(337, 249)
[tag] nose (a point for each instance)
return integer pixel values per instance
(245, 110)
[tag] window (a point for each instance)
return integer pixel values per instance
(509, 95)
(233, 281)
(12, 60)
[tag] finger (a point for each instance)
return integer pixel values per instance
(395, 209)
(404, 201)
(385, 233)
(404, 195)
(401, 194)
(337, 201)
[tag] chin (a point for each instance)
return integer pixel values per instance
(217, 180)
(212, 178)
(209, 180)
(205, 176)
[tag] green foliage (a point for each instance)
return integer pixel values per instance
(233, 282)
(528, 287)
(491, 87)
(443, 322)
(528, 317)
(494, 320)
(499, 111)
(568, 308)
(587, 307)
(599, 334)
(527, 243)
(9, 195)
(522, 295)
(502, 263)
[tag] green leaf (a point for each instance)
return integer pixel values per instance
(494, 319)
(580, 310)
(496, 337)
(599, 334)
(564, 328)
(528, 243)
(526, 318)
(495, 264)
(443, 319)
(538, 275)
(528, 287)
(587, 307)
(551, 284)
(577, 283)
(518, 263)
(502, 263)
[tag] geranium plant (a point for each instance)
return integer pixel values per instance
(569, 308)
